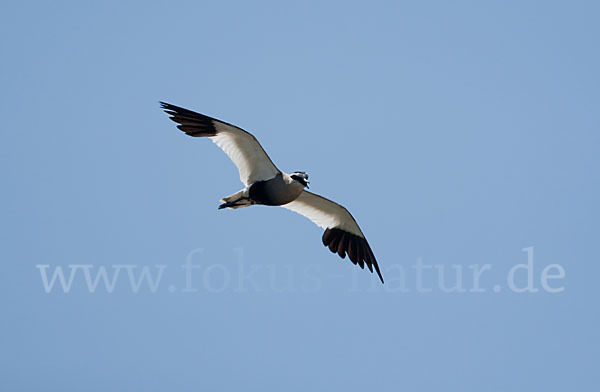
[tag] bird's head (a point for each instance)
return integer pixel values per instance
(301, 177)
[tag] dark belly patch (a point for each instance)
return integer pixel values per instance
(259, 192)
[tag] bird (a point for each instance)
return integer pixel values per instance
(265, 184)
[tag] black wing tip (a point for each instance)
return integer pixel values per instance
(170, 109)
(167, 106)
(192, 123)
(359, 252)
(177, 110)
(378, 272)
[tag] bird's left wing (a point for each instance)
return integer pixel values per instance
(243, 149)
(342, 234)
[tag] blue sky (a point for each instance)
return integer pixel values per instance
(463, 136)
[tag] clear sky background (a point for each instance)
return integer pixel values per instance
(457, 133)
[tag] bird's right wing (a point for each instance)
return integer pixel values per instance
(342, 234)
(243, 149)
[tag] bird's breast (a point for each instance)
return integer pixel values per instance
(274, 192)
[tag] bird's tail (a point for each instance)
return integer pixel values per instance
(237, 200)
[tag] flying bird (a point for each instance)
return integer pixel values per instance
(265, 184)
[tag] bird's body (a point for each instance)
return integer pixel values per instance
(276, 191)
(265, 184)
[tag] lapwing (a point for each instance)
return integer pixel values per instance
(265, 184)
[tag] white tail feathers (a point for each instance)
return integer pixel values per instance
(237, 200)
